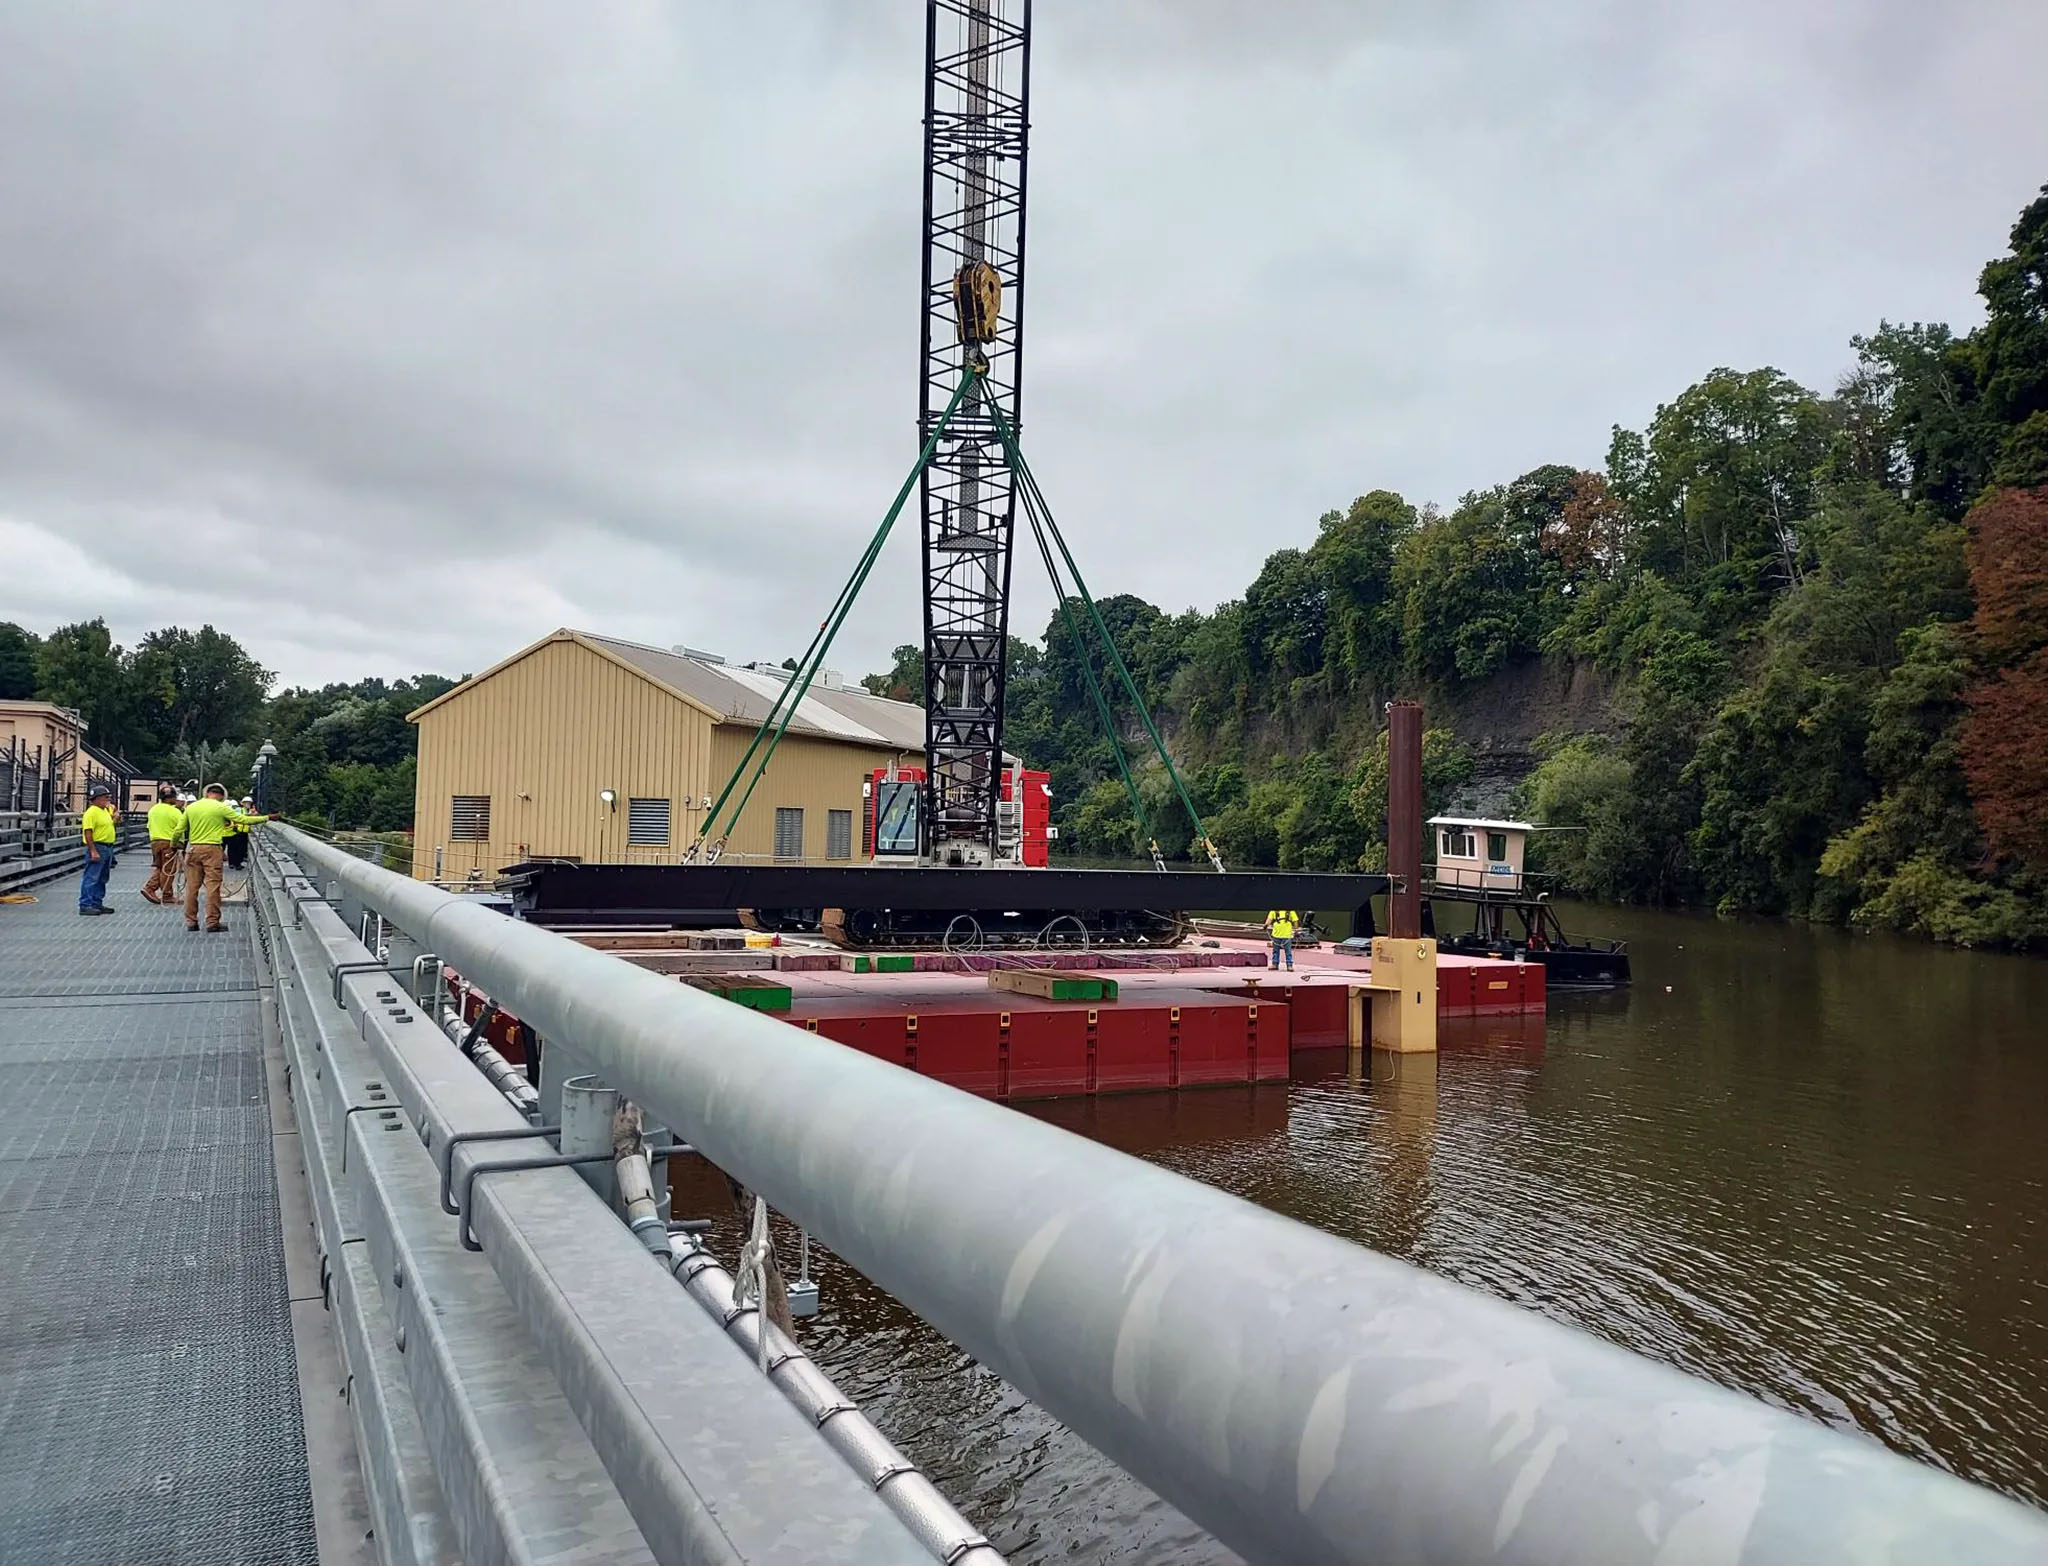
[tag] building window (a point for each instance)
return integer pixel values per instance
(839, 834)
(470, 820)
(1496, 846)
(1454, 845)
(789, 832)
(647, 822)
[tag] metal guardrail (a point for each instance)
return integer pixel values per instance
(35, 849)
(557, 1387)
(1304, 1398)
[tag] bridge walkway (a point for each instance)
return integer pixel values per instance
(150, 1402)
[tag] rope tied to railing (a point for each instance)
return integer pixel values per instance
(750, 1277)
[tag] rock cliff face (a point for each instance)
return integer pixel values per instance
(1502, 718)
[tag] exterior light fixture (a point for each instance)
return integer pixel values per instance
(610, 798)
(259, 781)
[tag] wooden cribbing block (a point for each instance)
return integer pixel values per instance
(877, 962)
(742, 990)
(638, 941)
(1054, 984)
(697, 962)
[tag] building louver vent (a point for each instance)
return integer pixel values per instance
(647, 822)
(471, 819)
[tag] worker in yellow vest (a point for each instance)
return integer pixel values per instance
(206, 829)
(237, 840)
(101, 835)
(1281, 923)
(166, 825)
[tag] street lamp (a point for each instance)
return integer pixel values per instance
(259, 785)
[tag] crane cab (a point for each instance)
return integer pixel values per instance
(893, 804)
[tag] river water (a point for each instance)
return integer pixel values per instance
(1803, 1163)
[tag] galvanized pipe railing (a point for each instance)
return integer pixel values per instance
(498, 1071)
(1303, 1398)
(903, 1486)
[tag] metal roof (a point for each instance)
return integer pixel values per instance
(740, 695)
(1482, 821)
(737, 695)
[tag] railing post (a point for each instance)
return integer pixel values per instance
(588, 1107)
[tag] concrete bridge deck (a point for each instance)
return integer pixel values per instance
(150, 1400)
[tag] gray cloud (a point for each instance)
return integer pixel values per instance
(389, 337)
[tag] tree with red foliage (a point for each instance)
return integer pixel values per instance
(2005, 740)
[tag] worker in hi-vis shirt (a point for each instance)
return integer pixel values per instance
(101, 833)
(166, 826)
(1281, 923)
(207, 820)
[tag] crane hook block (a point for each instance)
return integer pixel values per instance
(977, 301)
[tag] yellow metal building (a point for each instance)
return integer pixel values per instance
(518, 761)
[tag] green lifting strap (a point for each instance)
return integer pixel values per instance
(1034, 500)
(799, 683)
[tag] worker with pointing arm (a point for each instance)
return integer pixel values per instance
(207, 823)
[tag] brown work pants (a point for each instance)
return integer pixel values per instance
(202, 864)
(163, 853)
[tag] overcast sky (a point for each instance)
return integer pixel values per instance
(390, 336)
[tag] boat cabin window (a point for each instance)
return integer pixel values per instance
(1455, 845)
(1496, 847)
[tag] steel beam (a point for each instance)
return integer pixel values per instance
(1305, 1399)
(543, 889)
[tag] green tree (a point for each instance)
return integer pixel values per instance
(1353, 557)
(1285, 617)
(1724, 483)
(1446, 768)
(301, 788)
(1914, 758)
(2010, 353)
(1911, 417)
(17, 662)
(1468, 589)
(1779, 772)
(905, 679)
(79, 666)
(1102, 823)
(195, 685)
(1247, 831)
(1583, 795)
(1678, 687)
(204, 762)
